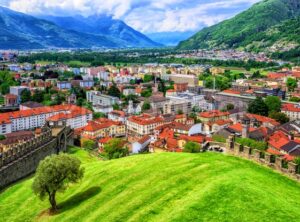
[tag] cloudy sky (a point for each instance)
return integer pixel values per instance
(147, 16)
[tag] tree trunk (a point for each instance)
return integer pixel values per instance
(53, 201)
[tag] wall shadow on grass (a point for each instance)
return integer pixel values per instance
(78, 198)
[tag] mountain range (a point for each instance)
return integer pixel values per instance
(269, 25)
(21, 31)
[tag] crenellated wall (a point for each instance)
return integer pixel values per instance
(23, 159)
(275, 162)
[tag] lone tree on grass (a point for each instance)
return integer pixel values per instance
(54, 174)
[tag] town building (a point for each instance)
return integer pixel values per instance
(32, 118)
(291, 110)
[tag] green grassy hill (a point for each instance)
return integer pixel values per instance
(164, 187)
(250, 26)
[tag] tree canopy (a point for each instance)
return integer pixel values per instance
(54, 174)
(114, 91)
(273, 103)
(192, 147)
(115, 149)
(259, 107)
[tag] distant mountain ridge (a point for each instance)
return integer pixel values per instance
(21, 31)
(104, 25)
(252, 29)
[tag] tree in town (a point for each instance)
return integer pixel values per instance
(146, 106)
(97, 115)
(146, 93)
(2, 137)
(148, 78)
(115, 149)
(88, 144)
(259, 107)
(116, 106)
(192, 147)
(295, 99)
(179, 112)
(256, 75)
(54, 174)
(273, 103)
(279, 117)
(38, 96)
(291, 84)
(25, 96)
(114, 91)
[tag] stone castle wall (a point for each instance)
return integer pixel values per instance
(23, 159)
(263, 158)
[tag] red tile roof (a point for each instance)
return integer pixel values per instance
(278, 139)
(213, 113)
(262, 119)
(144, 139)
(290, 108)
(145, 119)
(230, 91)
(238, 127)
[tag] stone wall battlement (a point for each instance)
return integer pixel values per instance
(22, 149)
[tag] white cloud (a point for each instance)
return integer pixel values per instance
(143, 15)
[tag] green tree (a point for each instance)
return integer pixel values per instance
(114, 91)
(295, 99)
(25, 96)
(146, 106)
(146, 93)
(54, 174)
(179, 112)
(115, 149)
(279, 117)
(98, 115)
(273, 103)
(192, 147)
(38, 96)
(259, 107)
(88, 144)
(256, 75)
(116, 106)
(148, 78)
(291, 84)
(2, 137)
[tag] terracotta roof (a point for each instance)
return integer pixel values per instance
(274, 152)
(144, 139)
(10, 96)
(230, 91)
(213, 113)
(262, 119)
(118, 113)
(238, 127)
(290, 108)
(197, 139)
(278, 139)
(145, 119)
(105, 140)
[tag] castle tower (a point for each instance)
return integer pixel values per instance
(245, 127)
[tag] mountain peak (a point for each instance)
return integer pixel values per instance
(21, 31)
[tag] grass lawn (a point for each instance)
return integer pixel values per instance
(163, 187)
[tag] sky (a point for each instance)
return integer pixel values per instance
(147, 16)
